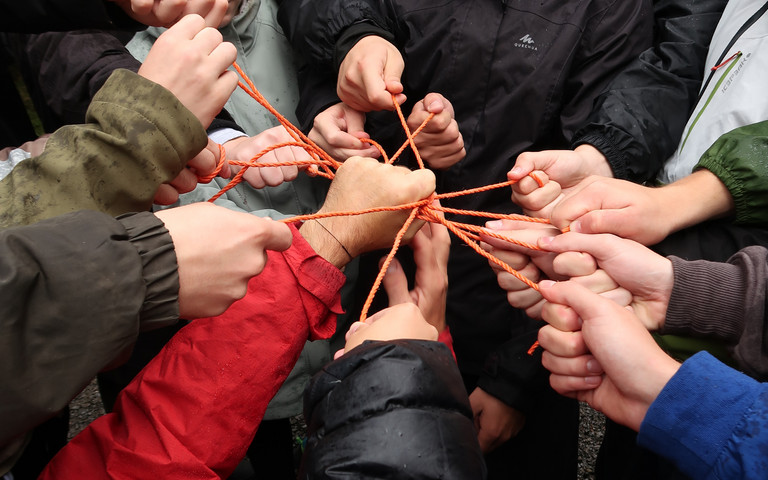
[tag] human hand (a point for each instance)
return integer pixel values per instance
(338, 130)
(440, 143)
(399, 321)
(647, 276)
(519, 294)
(612, 363)
(431, 246)
(370, 74)
(218, 251)
(538, 264)
(359, 184)
(559, 171)
(495, 421)
(608, 205)
(191, 61)
(164, 13)
(243, 149)
(202, 165)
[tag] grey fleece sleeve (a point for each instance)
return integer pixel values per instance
(725, 301)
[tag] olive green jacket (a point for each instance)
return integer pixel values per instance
(75, 291)
(739, 159)
(137, 136)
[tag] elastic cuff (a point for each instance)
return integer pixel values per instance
(613, 155)
(148, 235)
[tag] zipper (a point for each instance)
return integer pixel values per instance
(731, 62)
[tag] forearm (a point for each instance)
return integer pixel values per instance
(513, 375)
(724, 301)
(323, 241)
(75, 291)
(57, 15)
(694, 199)
(706, 430)
(67, 82)
(638, 120)
(737, 158)
(138, 136)
(314, 28)
(216, 376)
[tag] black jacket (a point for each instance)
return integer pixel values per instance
(521, 76)
(393, 409)
(58, 15)
(638, 121)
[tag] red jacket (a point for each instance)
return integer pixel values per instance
(193, 411)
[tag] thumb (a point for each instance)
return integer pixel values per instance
(395, 284)
(601, 221)
(276, 235)
(393, 70)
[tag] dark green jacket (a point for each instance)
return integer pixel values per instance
(75, 291)
(739, 159)
(137, 136)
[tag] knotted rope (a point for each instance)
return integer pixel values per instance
(324, 165)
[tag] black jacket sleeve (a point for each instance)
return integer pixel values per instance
(321, 33)
(408, 396)
(513, 373)
(638, 121)
(75, 291)
(35, 16)
(65, 70)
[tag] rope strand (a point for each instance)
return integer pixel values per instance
(324, 165)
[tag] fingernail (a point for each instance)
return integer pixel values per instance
(392, 267)
(494, 224)
(576, 226)
(594, 366)
(434, 105)
(516, 171)
(593, 380)
(352, 329)
(546, 283)
(545, 241)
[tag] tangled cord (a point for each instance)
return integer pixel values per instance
(324, 165)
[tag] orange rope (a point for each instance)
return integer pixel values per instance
(324, 165)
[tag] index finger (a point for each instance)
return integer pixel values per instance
(187, 27)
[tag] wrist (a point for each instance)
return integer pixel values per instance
(594, 161)
(694, 199)
(325, 243)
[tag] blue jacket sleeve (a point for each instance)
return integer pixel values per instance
(711, 421)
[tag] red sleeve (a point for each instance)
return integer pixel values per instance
(446, 338)
(193, 410)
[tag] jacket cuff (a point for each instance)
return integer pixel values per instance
(320, 282)
(148, 235)
(614, 155)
